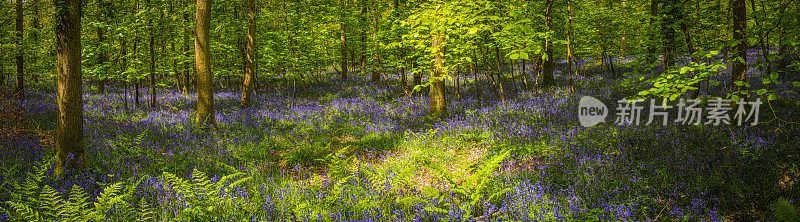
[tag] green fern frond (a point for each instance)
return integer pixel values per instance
(77, 203)
(201, 183)
(144, 213)
(23, 212)
(785, 211)
(52, 206)
(109, 198)
(179, 184)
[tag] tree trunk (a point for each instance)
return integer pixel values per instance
(437, 107)
(35, 36)
(499, 74)
(652, 46)
(343, 37)
(152, 59)
(125, 69)
(569, 47)
(547, 72)
(739, 69)
(250, 61)
(205, 96)
(376, 76)
(20, 52)
(69, 131)
(187, 80)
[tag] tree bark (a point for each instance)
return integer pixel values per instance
(205, 96)
(69, 131)
(152, 58)
(250, 61)
(342, 23)
(20, 51)
(437, 107)
(739, 69)
(652, 46)
(376, 76)
(35, 35)
(187, 70)
(548, 66)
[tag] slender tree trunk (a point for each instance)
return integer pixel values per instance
(652, 46)
(547, 72)
(205, 96)
(499, 74)
(569, 47)
(343, 38)
(738, 71)
(153, 101)
(20, 52)
(187, 79)
(437, 107)
(250, 61)
(125, 69)
(69, 131)
(35, 36)
(376, 76)
(417, 75)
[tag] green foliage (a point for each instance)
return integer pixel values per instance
(472, 189)
(203, 197)
(676, 82)
(785, 211)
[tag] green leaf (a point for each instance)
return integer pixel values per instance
(772, 96)
(514, 56)
(774, 76)
(761, 91)
(523, 55)
(796, 84)
(735, 98)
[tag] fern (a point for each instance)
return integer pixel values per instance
(23, 212)
(785, 211)
(52, 206)
(475, 186)
(77, 203)
(201, 195)
(144, 212)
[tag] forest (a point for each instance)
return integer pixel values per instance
(399, 110)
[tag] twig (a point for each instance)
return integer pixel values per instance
(662, 210)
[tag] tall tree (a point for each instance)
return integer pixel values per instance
(250, 61)
(438, 103)
(20, 51)
(343, 37)
(69, 131)
(152, 56)
(739, 69)
(35, 35)
(670, 18)
(548, 66)
(205, 95)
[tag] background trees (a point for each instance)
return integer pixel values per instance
(495, 43)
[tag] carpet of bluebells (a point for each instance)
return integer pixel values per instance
(354, 150)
